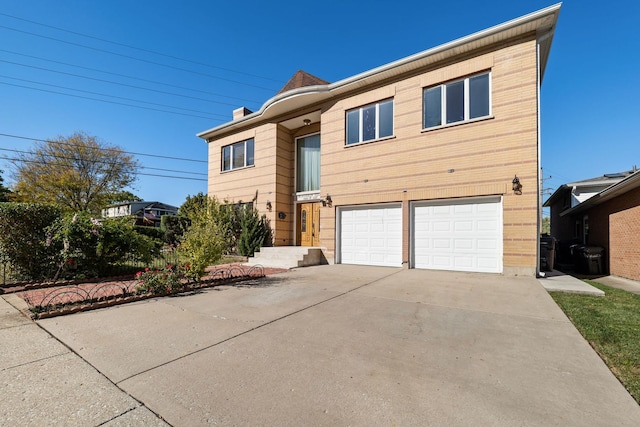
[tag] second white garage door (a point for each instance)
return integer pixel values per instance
(371, 235)
(459, 235)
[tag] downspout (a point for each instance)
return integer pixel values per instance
(538, 195)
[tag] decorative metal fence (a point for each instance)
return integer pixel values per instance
(59, 300)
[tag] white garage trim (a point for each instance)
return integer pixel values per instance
(370, 235)
(457, 234)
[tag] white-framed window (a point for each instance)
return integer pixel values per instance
(370, 122)
(238, 155)
(457, 101)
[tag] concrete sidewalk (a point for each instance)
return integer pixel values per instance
(557, 281)
(42, 382)
(325, 346)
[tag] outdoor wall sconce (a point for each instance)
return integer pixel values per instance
(327, 201)
(282, 215)
(516, 186)
(306, 122)
(269, 207)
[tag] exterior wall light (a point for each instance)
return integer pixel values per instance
(269, 206)
(327, 201)
(516, 186)
(306, 122)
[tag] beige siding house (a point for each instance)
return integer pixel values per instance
(431, 161)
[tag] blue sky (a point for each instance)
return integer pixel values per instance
(188, 64)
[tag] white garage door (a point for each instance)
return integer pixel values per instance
(371, 235)
(459, 235)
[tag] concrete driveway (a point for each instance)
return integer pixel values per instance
(348, 345)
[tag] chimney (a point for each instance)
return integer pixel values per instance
(241, 112)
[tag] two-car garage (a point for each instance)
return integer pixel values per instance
(453, 234)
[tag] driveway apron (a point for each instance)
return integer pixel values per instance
(352, 345)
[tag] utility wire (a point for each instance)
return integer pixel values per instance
(103, 149)
(127, 76)
(109, 96)
(136, 59)
(144, 174)
(107, 101)
(115, 83)
(140, 49)
(57, 156)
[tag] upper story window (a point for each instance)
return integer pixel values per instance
(457, 101)
(238, 155)
(371, 122)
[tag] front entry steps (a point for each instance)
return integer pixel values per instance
(288, 256)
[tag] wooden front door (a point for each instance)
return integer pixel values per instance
(309, 224)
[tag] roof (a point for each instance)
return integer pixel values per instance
(302, 79)
(542, 23)
(631, 182)
(603, 181)
(138, 205)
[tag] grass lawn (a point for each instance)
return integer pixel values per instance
(611, 324)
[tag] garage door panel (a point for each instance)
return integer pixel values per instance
(461, 235)
(376, 232)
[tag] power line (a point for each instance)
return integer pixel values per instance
(140, 49)
(55, 156)
(127, 76)
(104, 149)
(106, 101)
(136, 59)
(115, 83)
(144, 174)
(107, 95)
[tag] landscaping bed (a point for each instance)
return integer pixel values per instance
(50, 300)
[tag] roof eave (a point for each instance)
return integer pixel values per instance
(543, 22)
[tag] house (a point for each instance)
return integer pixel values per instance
(431, 161)
(609, 219)
(146, 213)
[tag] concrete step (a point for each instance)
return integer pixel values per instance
(288, 256)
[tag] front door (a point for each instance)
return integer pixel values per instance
(309, 224)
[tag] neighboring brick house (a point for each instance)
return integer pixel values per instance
(146, 213)
(609, 219)
(409, 164)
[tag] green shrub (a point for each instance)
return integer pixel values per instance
(24, 241)
(165, 280)
(153, 232)
(173, 228)
(206, 239)
(255, 232)
(91, 247)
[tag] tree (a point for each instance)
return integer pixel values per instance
(123, 196)
(4, 191)
(193, 205)
(78, 173)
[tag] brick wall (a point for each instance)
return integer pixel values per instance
(615, 225)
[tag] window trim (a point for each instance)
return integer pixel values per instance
(466, 106)
(377, 123)
(231, 153)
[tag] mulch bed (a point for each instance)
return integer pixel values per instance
(55, 299)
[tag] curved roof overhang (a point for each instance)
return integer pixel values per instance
(542, 23)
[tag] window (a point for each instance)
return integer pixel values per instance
(458, 101)
(308, 163)
(371, 122)
(238, 155)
